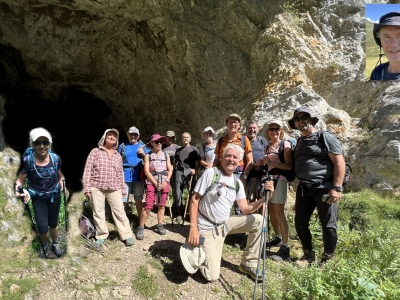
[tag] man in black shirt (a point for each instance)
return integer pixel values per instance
(186, 162)
(320, 168)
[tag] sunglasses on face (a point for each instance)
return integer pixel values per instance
(44, 143)
(274, 129)
(233, 122)
(301, 118)
(158, 142)
(134, 134)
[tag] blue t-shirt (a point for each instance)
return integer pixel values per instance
(131, 161)
(381, 73)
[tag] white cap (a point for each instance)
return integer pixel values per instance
(38, 132)
(207, 129)
(133, 129)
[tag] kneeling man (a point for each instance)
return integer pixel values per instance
(210, 216)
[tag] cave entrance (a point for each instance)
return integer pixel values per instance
(76, 122)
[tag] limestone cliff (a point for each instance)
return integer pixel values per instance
(77, 67)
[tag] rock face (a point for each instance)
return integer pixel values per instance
(79, 67)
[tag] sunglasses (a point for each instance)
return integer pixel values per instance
(302, 118)
(274, 129)
(158, 142)
(44, 143)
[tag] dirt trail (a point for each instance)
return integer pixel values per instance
(85, 274)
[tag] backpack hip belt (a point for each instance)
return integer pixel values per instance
(34, 193)
(154, 173)
(216, 225)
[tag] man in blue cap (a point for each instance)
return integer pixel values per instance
(387, 36)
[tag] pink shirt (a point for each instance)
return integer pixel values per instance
(157, 163)
(103, 171)
(273, 156)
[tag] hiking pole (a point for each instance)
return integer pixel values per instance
(187, 201)
(170, 207)
(263, 246)
(65, 205)
(21, 191)
(92, 246)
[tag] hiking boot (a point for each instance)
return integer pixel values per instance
(282, 254)
(325, 258)
(139, 233)
(129, 242)
(179, 219)
(307, 259)
(161, 230)
(251, 271)
(55, 247)
(99, 242)
(45, 251)
(274, 242)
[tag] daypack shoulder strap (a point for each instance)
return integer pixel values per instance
(243, 141)
(216, 178)
(122, 149)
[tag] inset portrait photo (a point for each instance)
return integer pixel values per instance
(382, 42)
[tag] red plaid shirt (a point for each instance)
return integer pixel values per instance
(103, 172)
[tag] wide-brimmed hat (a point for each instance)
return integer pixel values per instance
(170, 133)
(38, 132)
(389, 19)
(156, 137)
(236, 116)
(207, 129)
(305, 109)
(133, 129)
(192, 257)
(275, 121)
(101, 142)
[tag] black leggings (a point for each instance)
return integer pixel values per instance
(46, 212)
(306, 202)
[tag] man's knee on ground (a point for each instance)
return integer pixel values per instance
(206, 272)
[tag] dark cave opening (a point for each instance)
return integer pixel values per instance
(76, 122)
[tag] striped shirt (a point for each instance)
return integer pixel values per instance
(103, 171)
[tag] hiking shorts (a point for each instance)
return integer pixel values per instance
(135, 188)
(151, 196)
(281, 192)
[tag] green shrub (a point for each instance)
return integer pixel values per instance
(366, 209)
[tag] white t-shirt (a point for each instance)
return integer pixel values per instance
(216, 208)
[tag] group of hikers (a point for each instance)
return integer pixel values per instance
(231, 171)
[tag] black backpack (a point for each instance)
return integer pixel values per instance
(348, 170)
(289, 174)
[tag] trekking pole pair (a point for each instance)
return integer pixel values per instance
(262, 241)
(28, 210)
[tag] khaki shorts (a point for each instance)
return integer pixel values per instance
(280, 193)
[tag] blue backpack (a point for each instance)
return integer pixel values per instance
(32, 166)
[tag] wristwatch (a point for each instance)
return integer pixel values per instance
(244, 176)
(337, 188)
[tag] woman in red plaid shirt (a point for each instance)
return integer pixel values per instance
(103, 178)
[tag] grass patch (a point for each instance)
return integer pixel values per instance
(16, 289)
(145, 284)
